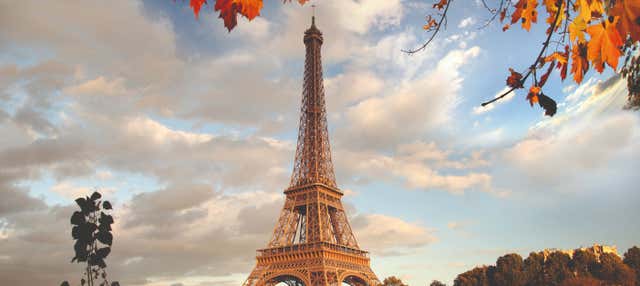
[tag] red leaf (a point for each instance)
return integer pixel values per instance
(545, 76)
(515, 79)
(229, 10)
(196, 5)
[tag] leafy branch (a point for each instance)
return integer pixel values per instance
(93, 239)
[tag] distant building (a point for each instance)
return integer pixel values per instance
(596, 249)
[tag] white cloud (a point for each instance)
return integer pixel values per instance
(466, 22)
(484, 109)
(588, 140)
(411, 109)
(385, 235)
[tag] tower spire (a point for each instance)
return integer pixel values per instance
(313, 153)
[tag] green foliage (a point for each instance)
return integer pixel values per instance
(93, 239)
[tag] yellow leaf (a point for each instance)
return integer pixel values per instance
(577, 29)
(529, 14)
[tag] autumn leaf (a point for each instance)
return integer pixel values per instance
(605, 43)
(529, 14)
(579, 62)
(532, 97)
(430, 23)
(515, 79)
(577, 29)
(196, 5)
(561, 59)
(596, 8)
(229, 9)
(552, 10)
(503, 14)
(545, 76)
(584, 12)
(517, 14)
(629, 13)
(505, 27)
(548, 104)
(440, 5)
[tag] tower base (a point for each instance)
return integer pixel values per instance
(312, 264)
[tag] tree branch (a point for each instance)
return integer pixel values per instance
(440, 22)
(533, 66)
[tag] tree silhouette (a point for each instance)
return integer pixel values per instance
(586, 267)
(93, 239)
(632, 259)
(393, 281)
(509, 271)
(437, 283)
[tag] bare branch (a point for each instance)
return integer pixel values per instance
(440, 22)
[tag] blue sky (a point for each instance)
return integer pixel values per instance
(191, 131)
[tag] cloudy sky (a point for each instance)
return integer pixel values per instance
(190, 131)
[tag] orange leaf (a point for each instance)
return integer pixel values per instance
(440, 4)
(556, 56)
(629, 13)
(552, 10)
(430, 23)
(503, 14)
(517, 14)
(229, 9)
(562, 62)
(505, 27)
(532, 97)
(530, 14)
(579, 63)
(196, 5)
(604, 46)
(515, 79)
(577, 29)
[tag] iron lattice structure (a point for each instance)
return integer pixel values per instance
(312, 242)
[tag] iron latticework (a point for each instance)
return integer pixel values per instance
(313, 154)
(312, 242)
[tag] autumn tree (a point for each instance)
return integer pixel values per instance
(437, 283)
(583, 263)
(533, 268)
(632, 259)
(582, 281)
(581, 35)
(393, 281)
(612, 270)
(556, 268)
(474, 277)
(509, 271)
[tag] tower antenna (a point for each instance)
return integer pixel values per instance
(313, 14)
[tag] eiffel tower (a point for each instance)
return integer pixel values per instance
(312, 243)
